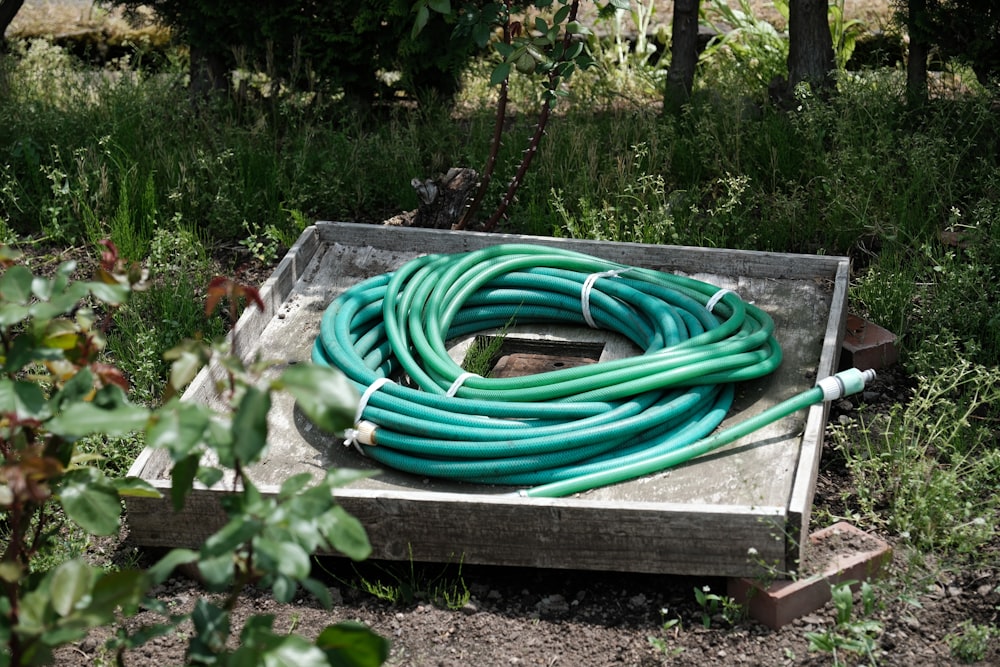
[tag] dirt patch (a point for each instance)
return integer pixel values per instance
(821, 552)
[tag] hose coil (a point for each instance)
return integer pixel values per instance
(555, 428)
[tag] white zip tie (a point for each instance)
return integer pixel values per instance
(351, 434)
(717, 297)
(588, 285)
(459, 381)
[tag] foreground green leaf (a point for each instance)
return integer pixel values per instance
(351, 644)
(325, 395)
(71, 583)
(345, 533)
(163, 568)
(135, 487)
(90, 501)
(250, 425)
(110, 413)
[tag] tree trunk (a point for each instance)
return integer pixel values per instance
(810, 46)
(8, 10)
(916, 58)
(683, 55)
(208, 73)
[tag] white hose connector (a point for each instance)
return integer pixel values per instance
(845, 383)
(366, 433)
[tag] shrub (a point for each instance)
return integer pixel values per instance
(351, 45)
(55, 390)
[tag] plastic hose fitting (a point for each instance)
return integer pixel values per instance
(845, 383)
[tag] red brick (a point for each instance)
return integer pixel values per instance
(786, 600)
(867, 345)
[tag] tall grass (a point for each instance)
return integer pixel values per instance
(928, 470)
(122, 153)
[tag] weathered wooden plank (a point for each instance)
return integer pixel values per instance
(687, 259)
(807, 470)
(699, 518)
(535, 532)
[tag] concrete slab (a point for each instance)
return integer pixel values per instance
(699, 518)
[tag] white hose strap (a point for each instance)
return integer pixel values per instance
(459, 381)
(351, 434)
(588, 285)
(365, 397)
(717, 297)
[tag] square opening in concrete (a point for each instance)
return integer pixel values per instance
(700, 518)
(516, 356)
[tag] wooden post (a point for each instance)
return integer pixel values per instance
(683, 55)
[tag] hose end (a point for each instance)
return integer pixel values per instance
(366, 433)
(845, 383)
(363, 433)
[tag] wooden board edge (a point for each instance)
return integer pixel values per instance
(275, 291)
(688, 259)
(500, 499)
(546, 534)
(804, 486)
(807, 470)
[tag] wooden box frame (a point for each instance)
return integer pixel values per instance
(704, 518)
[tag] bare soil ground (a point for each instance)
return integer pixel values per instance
(577, 618)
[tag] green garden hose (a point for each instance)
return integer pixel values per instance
(562, 431)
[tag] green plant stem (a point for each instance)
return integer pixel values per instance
(515, 182)
(543, 119)
(491, 160)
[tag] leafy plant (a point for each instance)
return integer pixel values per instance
(970, 642)
(849, 634)
(661, 643)
(924, 470)
(844, 33)
(758, 48)
(56, 389)
(638, 67)
(552, 49)
(713, 604)
(263, 244)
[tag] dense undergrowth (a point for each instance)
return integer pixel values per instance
(910, 193)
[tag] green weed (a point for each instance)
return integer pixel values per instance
(713, 605)
(927, 470)
(970, 642)
(407, 583)
(849, 634)
(662, 642)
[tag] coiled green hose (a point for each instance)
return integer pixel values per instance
(561, 431)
